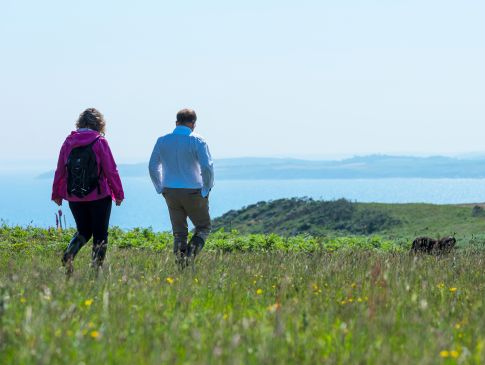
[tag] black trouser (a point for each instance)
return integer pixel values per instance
(92, 218)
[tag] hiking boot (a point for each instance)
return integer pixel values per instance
(98, 253)
(72, 249)
(180, 249)
(195, 246)
(69, 267)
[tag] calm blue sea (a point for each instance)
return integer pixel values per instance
(26, 200)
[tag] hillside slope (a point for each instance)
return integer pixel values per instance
(297, 216)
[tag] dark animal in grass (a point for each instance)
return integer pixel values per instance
(431, 246)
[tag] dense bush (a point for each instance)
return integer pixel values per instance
(24, 239)
(478, 211)
(298, 216)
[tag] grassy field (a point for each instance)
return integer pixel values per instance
(433, 220)
(353, 301)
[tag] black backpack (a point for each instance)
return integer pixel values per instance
(82, 171)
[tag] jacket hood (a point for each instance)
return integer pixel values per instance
(81, 138)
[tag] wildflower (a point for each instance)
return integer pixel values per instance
(88, 302)
(225, 316)
(196, 280)
(457, 326)
(46, 294)
(440, 285)
(316, 289)
(23, 300)
(452, 290)
(91, 325)
(343, 302)
(353, 285)
(94, 334)
(259, 291)
(359, 299)
(444, 354)
(58, 333)
(454, 354)
(351, 300)
(169, 280)
(273, 308)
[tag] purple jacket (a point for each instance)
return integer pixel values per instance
(109, 181)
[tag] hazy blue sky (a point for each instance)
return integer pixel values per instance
(267, 78)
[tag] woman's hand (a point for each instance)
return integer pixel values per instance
(58, 201)
(118, 202)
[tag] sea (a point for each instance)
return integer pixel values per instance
(25, 200)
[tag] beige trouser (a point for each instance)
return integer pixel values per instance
(183, 203)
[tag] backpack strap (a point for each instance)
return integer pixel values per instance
(100, 167)
(93, 142)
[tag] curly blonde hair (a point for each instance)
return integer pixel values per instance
(93, 119)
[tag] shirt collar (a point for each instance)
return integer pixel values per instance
(181, 129)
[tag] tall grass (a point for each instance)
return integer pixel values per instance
(355, 306)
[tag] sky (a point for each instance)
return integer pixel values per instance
(304, 79)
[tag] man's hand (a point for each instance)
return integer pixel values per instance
(118, 202)
(58, 201)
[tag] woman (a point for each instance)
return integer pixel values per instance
(87, 177)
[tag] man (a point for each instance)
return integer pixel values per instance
(185, 180)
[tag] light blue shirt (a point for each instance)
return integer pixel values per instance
(181, 159)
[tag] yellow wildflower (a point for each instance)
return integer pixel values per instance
(94, 334)
(259, 291)
(444, 354)
(453, 290)
(169, 280)
(23, 300)
(353, 285)
(88, 302)
(454, 354)
(440, 285)
(90, 325)
(273, 308)
(359, 299)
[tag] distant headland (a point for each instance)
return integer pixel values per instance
(361, 167)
